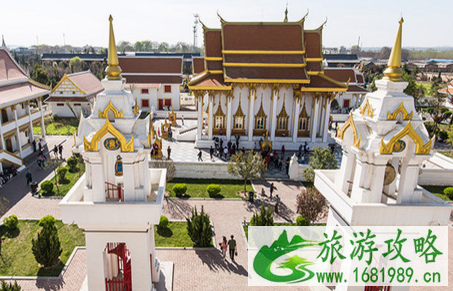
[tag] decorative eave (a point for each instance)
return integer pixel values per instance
(342, 131)
(366, 108)
(239, 112)
(304, 113)
(65, 77)
(420, 147)
(92, 146)
(283, 113)
(105, 113)
(401, 109)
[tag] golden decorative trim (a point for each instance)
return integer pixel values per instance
(401, 109)
(224, 88)
(312, 89)
(265, 65)
(314, 59)
(135, 107)
(14, 155)
(314, 73)
(262, 52)
(350, 123)
(420, 148)
(92, 146)
(215, 72)
(40, 85)
(105, 113)
(393, 71)
(213, 58)
(267, 81)
(367, 108)
(113, 69)
(64, 78)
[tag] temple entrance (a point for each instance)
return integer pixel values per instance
(117, 260)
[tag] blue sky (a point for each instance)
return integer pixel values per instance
(427, 23)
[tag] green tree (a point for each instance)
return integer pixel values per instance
(264, 218)
(199, 228)
(39, 75)
(246, 165)
(311, 204)
(47, 248)
(322, 158)
(10, 286)
(76, 64)
(124, 46)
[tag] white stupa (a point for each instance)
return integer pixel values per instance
(118, 199)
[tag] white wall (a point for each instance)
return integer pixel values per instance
(64, 111)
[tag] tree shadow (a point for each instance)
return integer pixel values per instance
(285, 212)
(51, 271)
(177, 208)
(164, 231)
(50, 284)
(215, 262)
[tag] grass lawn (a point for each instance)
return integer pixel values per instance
(447, 153)
(58, 126)
(438, 191)
(196, 188)
(175, 235)
(18, 259)
(66, 185)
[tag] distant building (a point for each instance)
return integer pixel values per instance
(154, 81)
(341, 60)
(74, 94)
(21, 109)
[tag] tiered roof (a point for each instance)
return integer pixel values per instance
(350, 75)
(86, 83)
(152, 70)
(15, 85)
(264, 52)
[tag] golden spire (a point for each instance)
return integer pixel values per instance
(393, 71)
(113, 69)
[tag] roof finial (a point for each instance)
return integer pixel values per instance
(322, 25)
(286, 13)
(303, 18)
(113, 69)
(3, 42)
(393, 71)
(221, 19)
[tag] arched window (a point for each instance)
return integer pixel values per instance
(282, 122)
(238, 119)
(302, 128)
(260, 120)
(219, 121)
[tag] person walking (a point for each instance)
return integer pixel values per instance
(233, 248)
(211, 152)
(272, 190)
(55, 151)
(200, 153)
(224, 247)
(34, 145)
(60, 150)
(168, 152)
(28, 177)
(277, 203)
(283, 150)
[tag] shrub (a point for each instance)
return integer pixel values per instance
(264, 218)
(72, 163)
(163, 223)
(311, 204)
(449, 192)
(11, 222)
(47, 248)
(179, 189)
(443, 135)
(199, 228)
(47, 187)
(10, 286)
(213, 190)
(61, 172)
(302, 221)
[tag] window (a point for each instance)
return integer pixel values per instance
(73, 92)
(144, 91)
(23, 105)
(167, 89)
(303, 124)
(239, 122)
(26, 133)
(60, 104)
(260, 123)
(219, 122)
(282, 124)
(145, 102)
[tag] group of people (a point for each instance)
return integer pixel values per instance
(229, 245)
(58, 150)
(224, 152)
(272, 188)
(7, 174)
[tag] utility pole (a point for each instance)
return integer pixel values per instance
(195, 26)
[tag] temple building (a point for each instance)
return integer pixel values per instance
(154, 81)
(74, 94)
(264, 80)
(21, 109)
(384, 143)
(118, 200)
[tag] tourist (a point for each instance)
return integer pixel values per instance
(272, 190)
(233, 248)
(306, 148)
(332, 148)
(211, 152)
(220, 152)
(221, 143)
(55, 151)
(168, 152)
(229, 145)
(225, 153)
(288, 159)
(224, 247)
(299, 153)
(277, 203)
(283, 150)
(263, 192)
(34, 145)
(39, 148)
(182, 119)
(28, 177)
(200, 153)
(60, 150)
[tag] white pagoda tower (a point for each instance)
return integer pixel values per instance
(118, 199)
(384, 143)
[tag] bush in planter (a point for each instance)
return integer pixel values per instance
(11, 222)
(264, 218)
(302, 221)
(163, 223)
(61, 172)
(213, 190)
(199, 228)
(47, 187)
(179, 189)
(47, 248)
(449, 192)
(72, 163)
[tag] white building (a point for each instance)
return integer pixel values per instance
(21, 109)
(154, 80)
(384, 143)
(74, 94)
(119, 199)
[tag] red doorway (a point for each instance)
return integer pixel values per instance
(345, 103)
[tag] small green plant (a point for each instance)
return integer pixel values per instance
(199, 228)
(72, 163)
(47, 187)
(449, 192)
(47, 248)
(61, 172)
(302, 221)
(264, 218)
(10, 286)
(213, 190)
(179, 189)
(163, 223)
(11, 222)
(443, 135)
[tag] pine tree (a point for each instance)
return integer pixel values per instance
(46, 248)
(199, 228)
(264, 218)
(10, 286)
